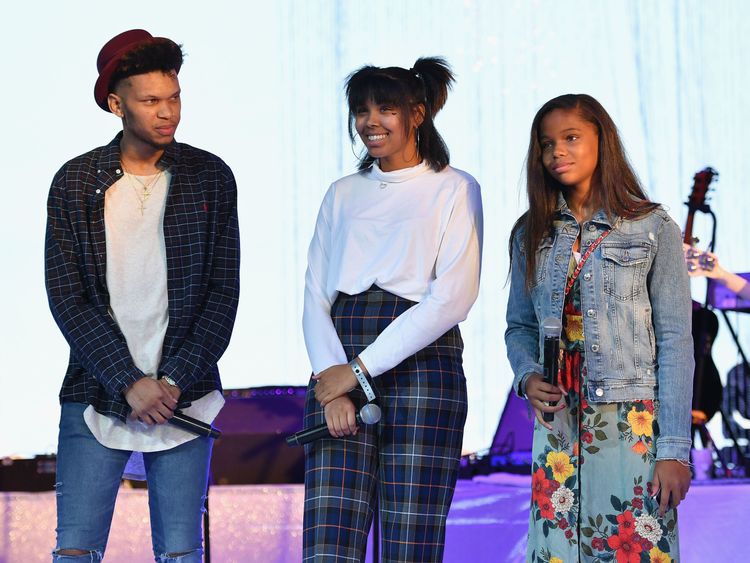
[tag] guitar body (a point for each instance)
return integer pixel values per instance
(707, 388)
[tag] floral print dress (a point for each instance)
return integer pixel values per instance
(591, 475)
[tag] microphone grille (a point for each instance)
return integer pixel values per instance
(551, 327)
(370, 413)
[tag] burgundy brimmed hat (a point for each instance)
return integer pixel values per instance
(109, 57)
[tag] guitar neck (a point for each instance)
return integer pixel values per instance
(688, 236)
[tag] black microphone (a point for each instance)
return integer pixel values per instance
(369, 414)
(551, 327)
(193, 425)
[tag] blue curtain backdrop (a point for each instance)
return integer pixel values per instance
(262, 88)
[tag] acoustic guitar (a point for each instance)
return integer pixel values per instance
(707, 389)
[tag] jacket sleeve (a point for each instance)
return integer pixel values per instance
(522, 332)
(211, 331)
(669, 292)
(92, 334)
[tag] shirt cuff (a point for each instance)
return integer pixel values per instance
(126, 379)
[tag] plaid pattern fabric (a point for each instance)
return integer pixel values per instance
(202, 246)
(410, 458)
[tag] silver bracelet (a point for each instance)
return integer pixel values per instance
(362, 378)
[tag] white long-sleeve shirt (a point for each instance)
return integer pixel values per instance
(413, 232)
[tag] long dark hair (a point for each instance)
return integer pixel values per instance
(618, 190)
(426, 83)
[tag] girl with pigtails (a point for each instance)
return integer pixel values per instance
(393, 267)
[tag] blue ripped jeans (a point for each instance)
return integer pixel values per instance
(88, 477)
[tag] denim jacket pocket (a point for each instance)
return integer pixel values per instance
(542, 260)
(624, 266)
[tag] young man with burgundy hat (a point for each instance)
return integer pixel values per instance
(142, 276)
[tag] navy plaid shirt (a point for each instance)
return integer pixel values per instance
(201, 236)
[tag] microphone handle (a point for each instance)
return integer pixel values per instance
(315, 433)
(551, 355)
(193, 425)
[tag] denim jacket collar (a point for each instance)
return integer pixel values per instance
(599, 217)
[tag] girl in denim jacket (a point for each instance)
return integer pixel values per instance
(594, 252)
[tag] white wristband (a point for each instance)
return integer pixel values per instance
(362, 378)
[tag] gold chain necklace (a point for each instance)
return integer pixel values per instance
(148, 189)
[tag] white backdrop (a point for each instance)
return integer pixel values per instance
(262, 88)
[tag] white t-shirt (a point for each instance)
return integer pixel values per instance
(413, 232)
(137, 286)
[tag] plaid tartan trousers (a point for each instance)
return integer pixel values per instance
(409, 459)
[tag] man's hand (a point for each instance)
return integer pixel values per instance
(173, 390)
(152, 401)
(334, 382)
(340, 417)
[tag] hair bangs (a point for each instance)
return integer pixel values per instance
(376, 87)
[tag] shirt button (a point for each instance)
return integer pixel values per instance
(648, 371)
(555, 296)
(587, 276)
(599, 391)
(592, 227)
(558, 258)
(588, 242)
(594, 347)
(383, 185)
(118, 171)
(98, 191)
(591, 313)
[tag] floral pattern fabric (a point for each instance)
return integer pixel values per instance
(591, 475)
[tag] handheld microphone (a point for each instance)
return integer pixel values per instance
(551, 327)
(193, 425)
(369, 414)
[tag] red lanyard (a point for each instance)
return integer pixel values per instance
(583, 259)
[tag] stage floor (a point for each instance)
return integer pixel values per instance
(256, 523)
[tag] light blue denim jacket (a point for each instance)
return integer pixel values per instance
(637, 314)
